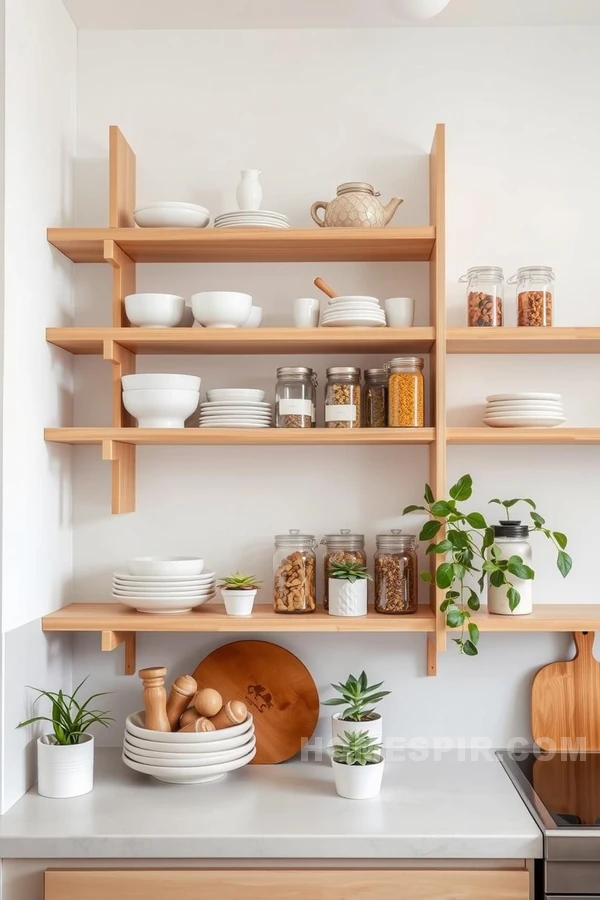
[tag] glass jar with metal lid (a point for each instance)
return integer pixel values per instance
(485, 295)
(535, 294)
(396, 573)
(294, 573)
(375, 397)
(341, 547)
(342, 397)
(295, 397)
(405, 392)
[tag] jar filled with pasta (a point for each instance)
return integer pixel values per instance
(405, 392)
(342, 397)
(343, 547)
(375, 396)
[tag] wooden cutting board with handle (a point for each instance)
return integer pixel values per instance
(565, 699)
(276, 687)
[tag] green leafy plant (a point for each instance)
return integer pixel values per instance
(357, 748)
(348, 571)
(471, 556)
(240, 582)
(359, 698)
(69, 718)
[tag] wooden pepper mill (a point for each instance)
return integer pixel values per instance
(155, 698)
(233, 713)
(180, 696)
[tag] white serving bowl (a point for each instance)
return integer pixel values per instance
(189, 774)
(218, 394)
(221, 309)
(154, 310)
(172, 215)
(238, 742)
(161, 408)
(161, 382)
(134, 724)
(187, 319)
(181, 760)
(166, 565)
(255, 317)
(165, 606)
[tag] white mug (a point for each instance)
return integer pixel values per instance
(306, 312)
(400, 312)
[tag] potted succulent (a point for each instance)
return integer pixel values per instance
(66, 757)
(238, 592)
(348, 589)
(357, 765)
(359, 698)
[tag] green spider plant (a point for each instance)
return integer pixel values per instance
(69, 718)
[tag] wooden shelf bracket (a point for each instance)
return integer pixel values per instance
(122, 457)
(112, 639)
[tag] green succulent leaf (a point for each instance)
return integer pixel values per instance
(348, 571)
(240, 582)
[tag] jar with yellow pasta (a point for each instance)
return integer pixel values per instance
(406, 392)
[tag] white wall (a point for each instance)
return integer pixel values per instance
(312, 109)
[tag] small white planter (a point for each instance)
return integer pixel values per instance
(65, 771)
(347, 598)
(373, 727)
(358, 782)
(238, 603)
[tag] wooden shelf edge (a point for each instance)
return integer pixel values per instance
(485, 435)
(523, 340)
(547, 617)
(241, 436)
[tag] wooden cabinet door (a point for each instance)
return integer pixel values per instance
(285, 884)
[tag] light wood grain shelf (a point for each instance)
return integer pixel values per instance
(240, 436)
(262, 341)
(485, 435)
(555, 617)
(523, 340)
(194, 245)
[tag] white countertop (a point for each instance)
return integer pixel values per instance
(444, 809)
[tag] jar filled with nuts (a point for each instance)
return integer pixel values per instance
(535, 289)
(485, 295)
(405, 392)
(342, 547)
(294, 573)
(375, 398)
(295, 397)
(396, 574)
(342, 397)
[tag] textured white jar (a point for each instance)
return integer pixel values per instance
(497, 599)
(65, 770)
(358, 782)
(347, 598)
(249, 190)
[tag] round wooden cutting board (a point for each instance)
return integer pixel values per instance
(276, 687)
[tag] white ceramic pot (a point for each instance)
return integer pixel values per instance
(347, 598)
(249, 191)
(65, 771)
(373, 727)
(238, 603)
(358, 782)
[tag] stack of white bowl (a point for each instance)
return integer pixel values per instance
(353, 312)
(171, 214)
(164, 584)
(235, 408)
(189, 758)
(225, 309)
(161, 401)
(252, 218)
(529, 409)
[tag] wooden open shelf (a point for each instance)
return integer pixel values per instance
(240, 436)
(486, 435)
(249, 341)
(523, 340)
(555, 617)
(195, 245)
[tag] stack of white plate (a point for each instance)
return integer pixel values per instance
(252, 218)
(171, 214)
(189, 758)
(235, 408)
(155, 585)
(524, 410)
(353, 312)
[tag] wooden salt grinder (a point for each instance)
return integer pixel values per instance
(155, 698)
(182, 691)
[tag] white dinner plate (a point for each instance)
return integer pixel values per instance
(215, 410)
(232, 404)
(175, 761)
(192, 775)
(251, 212)
(233, 424)
(252, 225)
(235, 394)
(195, 749)
(523, 422)
(353, 304)
(528, 395)
(262, 417)
(534, 411)
(353, 323)
(168, 595)
(126, 576)
(525, 407)
(177, 204)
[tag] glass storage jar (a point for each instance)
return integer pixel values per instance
(396, 573)
(342, 547)
(535, 290)
(342, 397)
(294, 573)
(485, 295)
(511, 538)
(295, 397)
(375, 398)
(405, 392)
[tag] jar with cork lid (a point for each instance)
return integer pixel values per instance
(396, 573)
(294, 573)
(405, 392)
(341, 548)
(342, 397)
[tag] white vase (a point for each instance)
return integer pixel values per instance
(373, 727)
(65, 770)
(358, 782)
(249, 191)
(347, 598)
(238, 603)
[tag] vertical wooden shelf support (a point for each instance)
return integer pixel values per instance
(113, 639)
(121, 177)
(123, 281)
(120, 454)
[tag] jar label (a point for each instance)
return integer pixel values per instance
(313, 414)
(340, 412)
(295, 407)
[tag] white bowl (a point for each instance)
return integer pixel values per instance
(219, 394)
(221, 309)
(187, 319)
(166, 565)
(190, 774)
(135, 723)
(160, 382)
(161, 409)
(163, 606)
(238, 742)
(172, 215)
(154, 310)
(255, 317)
(400, 312)
(181, 760)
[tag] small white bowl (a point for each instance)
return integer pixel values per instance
(221, 309)
(400, 312)
(154, 310)
(255, 317)
(161, 409)
(165, 565)
(135, 723)
(159, 382)
(172, 215)
(217, 395)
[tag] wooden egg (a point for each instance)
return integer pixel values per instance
(208, 702)
(189, 716)
(201, 724)
(233, 713)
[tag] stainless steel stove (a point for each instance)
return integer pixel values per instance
(562, 792)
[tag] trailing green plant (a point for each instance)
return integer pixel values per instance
(471, 556)
(348, 571)
(69, 718)
(240, 582)
(357, 748)
(358, 696)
